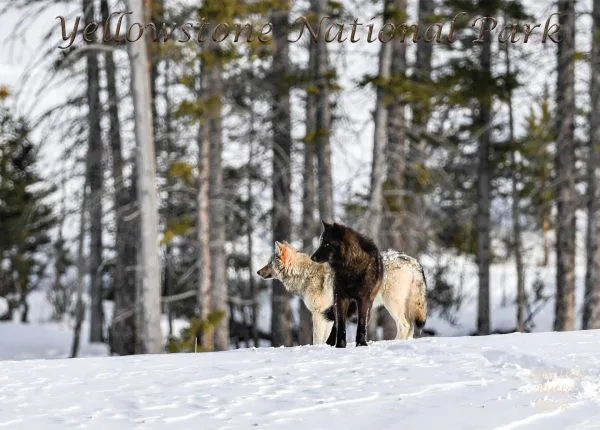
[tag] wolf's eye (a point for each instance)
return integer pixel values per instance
(325, 244)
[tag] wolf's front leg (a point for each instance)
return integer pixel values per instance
(319, 327)
(364, 307)
(340, 321)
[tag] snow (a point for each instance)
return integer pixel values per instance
(50, 340)
(534, 381)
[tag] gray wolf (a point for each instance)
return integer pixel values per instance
(357, 275)
(403, 291)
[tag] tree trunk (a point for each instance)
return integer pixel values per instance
(546, 239)
(23, 282)
(122, 332)
(204, 292)
(155, 13)
(149, 333)
(565, 171)
(95, 182)
(378, 168)
(220, 296)
(309, 192)
(79, 306)
(281, 312)
(414, 227)
(424, 49)
(250, 232)
(591, 304)
(483, 127)
(321, 76)
(171, 156)
(395, 154)
(516, 210)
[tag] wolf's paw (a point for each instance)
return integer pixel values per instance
(361, 343)
(340, 344)
(330, 342)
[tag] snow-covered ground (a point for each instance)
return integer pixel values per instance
(533, 381)
(31, 341)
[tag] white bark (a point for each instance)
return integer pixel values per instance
(148, 301)
(379, 142)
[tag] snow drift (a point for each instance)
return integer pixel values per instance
(534, 381)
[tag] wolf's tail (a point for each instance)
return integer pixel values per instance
(420, 310)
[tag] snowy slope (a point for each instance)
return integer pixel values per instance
(50, 340)
(534, 381)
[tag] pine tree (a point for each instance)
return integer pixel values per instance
(537, 168)
(27, 218)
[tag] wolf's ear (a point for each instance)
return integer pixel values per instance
(326, 224)
(286, 255)
(278, 247)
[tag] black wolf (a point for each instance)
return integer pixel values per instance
(358, 274)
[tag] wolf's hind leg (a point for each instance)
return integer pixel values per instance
(397, 310)
(327, 332)
(332, 336)
(411, 330)
(403, 327)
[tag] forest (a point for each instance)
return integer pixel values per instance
(145, 175)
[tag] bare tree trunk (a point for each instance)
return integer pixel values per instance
(281, 312)
(565, 170)
(149, 333)
(95, 182)
(168, 138)
(483, 126)
(395, 153)
(217, 211)
(250, 232)
(415, 226)
(546, 233)
(322, 75)
(379, 142)
(79, 306)
(155, 13)
(122, 332)
(378, 167)
(309, 192)
(516, 200)
(591, 304)
(204, 296)
(424, 49)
